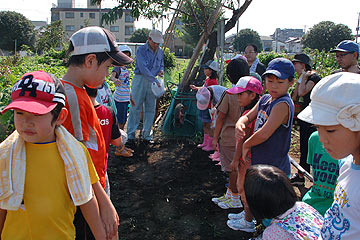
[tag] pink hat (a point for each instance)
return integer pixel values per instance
(203, 98)
(37, 92)
(246, 83)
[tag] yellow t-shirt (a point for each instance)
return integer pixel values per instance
(49, 210)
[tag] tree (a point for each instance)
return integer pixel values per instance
(139, 35)
(155, 9)
(51, 36)
(326, 35)
(15, 27)
(191, 32)
(245, 37)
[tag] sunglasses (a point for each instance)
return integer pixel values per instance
(341, 55)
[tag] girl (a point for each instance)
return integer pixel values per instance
(247, 91)
(122, 97)
(335, 111)
(210, 70)
(270, 195)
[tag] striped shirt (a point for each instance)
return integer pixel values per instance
(122, 85)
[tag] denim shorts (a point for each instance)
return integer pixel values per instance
(204, 116)
(122, 110)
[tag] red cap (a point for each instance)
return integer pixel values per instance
(37, 92)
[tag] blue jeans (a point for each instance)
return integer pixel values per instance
(142, 96)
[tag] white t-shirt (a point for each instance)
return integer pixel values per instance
(342, 219)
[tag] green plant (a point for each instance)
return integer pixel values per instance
(265, 58)
(169, 60)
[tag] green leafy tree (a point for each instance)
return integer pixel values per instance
(15, 26)
(139, 35)
(247, 36)
(191, 32)
(326, 35)
(51, 36)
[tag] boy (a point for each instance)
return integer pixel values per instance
(274, 114)
(109, 127)
(93, 51)
(334, 109)
(325, 171)
(31, 208)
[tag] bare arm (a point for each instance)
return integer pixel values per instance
(219, 123)
(2, 220)
(295, 95)
(244, 121)
(91, 214)
(108, 213)
(305, 86)
(193, 87)
(279, 115)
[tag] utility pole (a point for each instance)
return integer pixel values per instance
(357, 29)
(237, 24)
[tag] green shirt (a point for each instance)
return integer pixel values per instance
(325, 173)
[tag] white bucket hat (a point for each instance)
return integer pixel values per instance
(335, 100)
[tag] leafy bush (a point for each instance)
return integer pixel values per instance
(169, 60)
(265, 58)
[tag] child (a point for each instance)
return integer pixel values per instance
(210, 70)
(229, 111)
(122, 96)
(274, 113)
(92, 53)
(247, 90)
(50, 172)
(325, 171)
(110, 130)
(270, 195)
(334, 109)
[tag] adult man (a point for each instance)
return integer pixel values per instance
(149, 64)
(347, 55)
(251, 52)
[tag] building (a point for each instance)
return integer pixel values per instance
(293, 45)
(74, 18)
(283, 35)
(266, 43)
(39, 24)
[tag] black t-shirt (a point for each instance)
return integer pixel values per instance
(260, 69)
(306, 98)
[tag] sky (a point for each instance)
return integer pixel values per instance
(263, 16)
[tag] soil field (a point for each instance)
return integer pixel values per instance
(164, 192)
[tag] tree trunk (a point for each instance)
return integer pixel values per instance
(210, 24)
(210, 51)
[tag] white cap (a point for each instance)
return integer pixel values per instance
(156, 36)
(335, 100)
(203, 98)
(97, 40)
(212, 65)
(125, 48)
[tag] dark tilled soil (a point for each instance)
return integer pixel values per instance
(164, 192)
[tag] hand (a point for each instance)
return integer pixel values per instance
(193, 87)
(161, 73)
(132, 102)
(245, 153)
(110, 221)
(240, 130)
(307, 74)
(158, 84)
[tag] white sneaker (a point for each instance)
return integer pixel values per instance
(219, 199)
(236, 216)
(241, 225)
(230, 204)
